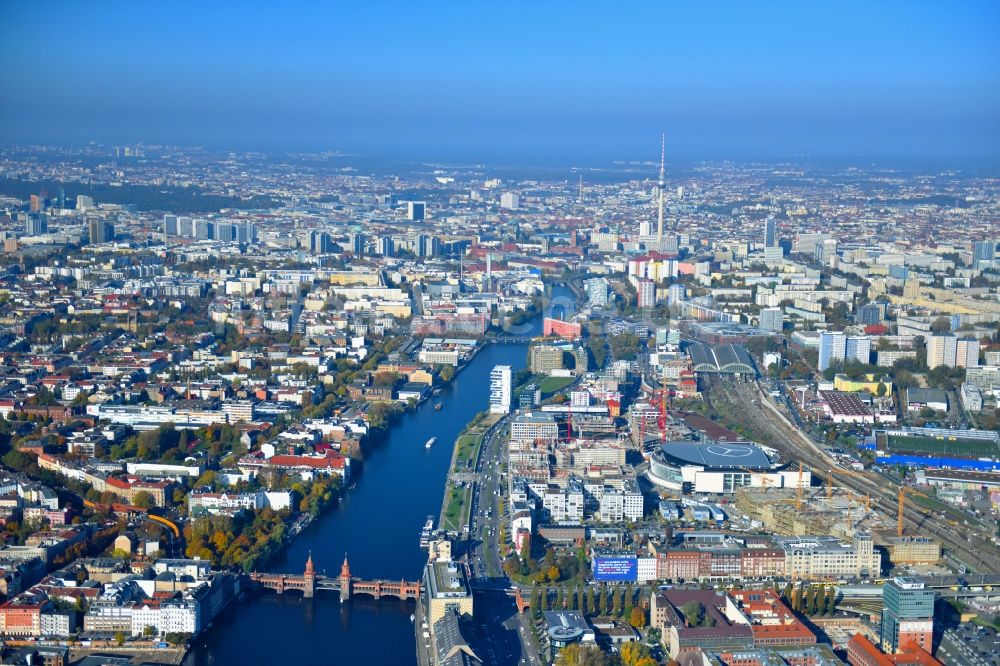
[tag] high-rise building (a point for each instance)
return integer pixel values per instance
(907, 614)
(868, 314)
(510, 200)
(83, 202)
(770, 232)
(982, 252)
(385, 246)
(646, 293)
(36, 224)
(772, 319)
(358, 242)
(225, 232)
(202, 229)
(942, 349)
(170, 225)
(99, 231)
(416, 210)
(320, 242)
(832, 348)
(501, 389)
(245, 233)
(967, 352)
(858, 348)
(428, 246)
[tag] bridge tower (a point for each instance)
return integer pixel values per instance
(345, 580)
(309, 578)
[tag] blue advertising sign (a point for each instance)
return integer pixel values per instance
(625, 569)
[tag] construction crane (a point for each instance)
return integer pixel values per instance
(902, 505)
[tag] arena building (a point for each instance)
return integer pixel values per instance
(718, 467)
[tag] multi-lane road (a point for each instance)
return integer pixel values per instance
(504, 631)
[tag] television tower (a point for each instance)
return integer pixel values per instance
(662, 183)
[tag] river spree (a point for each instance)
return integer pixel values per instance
(378, 526)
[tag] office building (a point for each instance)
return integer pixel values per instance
(416, 210)
(772, 319)
(36, 224)
(320, 242)
(501, 389)
(832, 348)
(542, 359)
(83, 202)
(510, 201)
(99, 231)
(357, 244)
(170, 225)
(597, 291)
(907, 614)
(858, 348)
(428, 246)
(385, 246)
(942, 349)
(202, 229)
(225, 232)
(770, 232)
(983, 253)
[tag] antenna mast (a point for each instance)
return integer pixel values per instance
(662, 184)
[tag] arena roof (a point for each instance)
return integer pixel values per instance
(716, 456)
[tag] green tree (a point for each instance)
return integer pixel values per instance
(143, 500)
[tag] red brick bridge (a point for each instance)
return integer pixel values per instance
(345, 584)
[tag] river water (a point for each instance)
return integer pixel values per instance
(378, 526)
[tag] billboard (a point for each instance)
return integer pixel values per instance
(624, 569)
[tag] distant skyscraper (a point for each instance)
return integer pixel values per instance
(832, 348)
(907, 614)
(772, 319)
(510, 200)
(983, 251)
(428, 246)
(942, 349)
(202, 229)
(245, 233)
(416, 210)
(99, 231)
(225, 232)
(170, 225)
(770, 232)
(501, 388)
(646, 293)
(858, 348)
(36, 224)
(385, 246)
(868, 314)
(358, 242)
(321, 243)
(83, 202)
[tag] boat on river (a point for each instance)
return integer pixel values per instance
(430, 442)
(425, 534)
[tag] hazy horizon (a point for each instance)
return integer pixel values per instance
(523, 84)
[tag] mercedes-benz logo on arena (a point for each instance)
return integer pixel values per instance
(731, 451)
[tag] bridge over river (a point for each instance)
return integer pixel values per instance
(346, 585)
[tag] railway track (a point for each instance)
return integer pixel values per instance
(764, 418)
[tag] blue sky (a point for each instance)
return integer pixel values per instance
(515, 81)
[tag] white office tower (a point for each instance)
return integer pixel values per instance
(510, 200)
(832, 348)
(501, 389)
